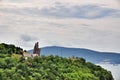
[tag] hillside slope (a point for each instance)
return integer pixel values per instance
(48, 68)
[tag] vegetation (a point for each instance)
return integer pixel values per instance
(15, 67)
(10, 49)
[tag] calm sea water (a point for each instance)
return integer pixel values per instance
(114, 68)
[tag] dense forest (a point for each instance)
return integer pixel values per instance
(15, 67)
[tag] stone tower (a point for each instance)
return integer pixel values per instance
(36, 49)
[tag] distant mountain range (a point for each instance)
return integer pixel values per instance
(89, 55)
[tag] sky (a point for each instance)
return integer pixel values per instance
(91, 24)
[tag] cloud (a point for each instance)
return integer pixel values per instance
(73, 23)
(86, 12)
(115, 69)
(27, 38)
(60, 10)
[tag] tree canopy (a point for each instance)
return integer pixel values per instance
(13, 67)
(10, 49)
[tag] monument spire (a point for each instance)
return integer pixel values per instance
(36, 49)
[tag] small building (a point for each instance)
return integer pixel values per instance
(26, 55)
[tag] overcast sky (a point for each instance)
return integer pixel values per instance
(92, 24)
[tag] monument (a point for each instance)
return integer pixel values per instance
(36, 52)
(36, 49)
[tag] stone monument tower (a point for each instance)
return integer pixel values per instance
(36, 49)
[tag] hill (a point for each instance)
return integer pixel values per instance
(10, 49)
(89, 55)
(47, 67)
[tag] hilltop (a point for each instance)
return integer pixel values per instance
(49, 67)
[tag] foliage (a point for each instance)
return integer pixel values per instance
(14, 67)
(10, 49)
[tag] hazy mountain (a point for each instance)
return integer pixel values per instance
(89, 55)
